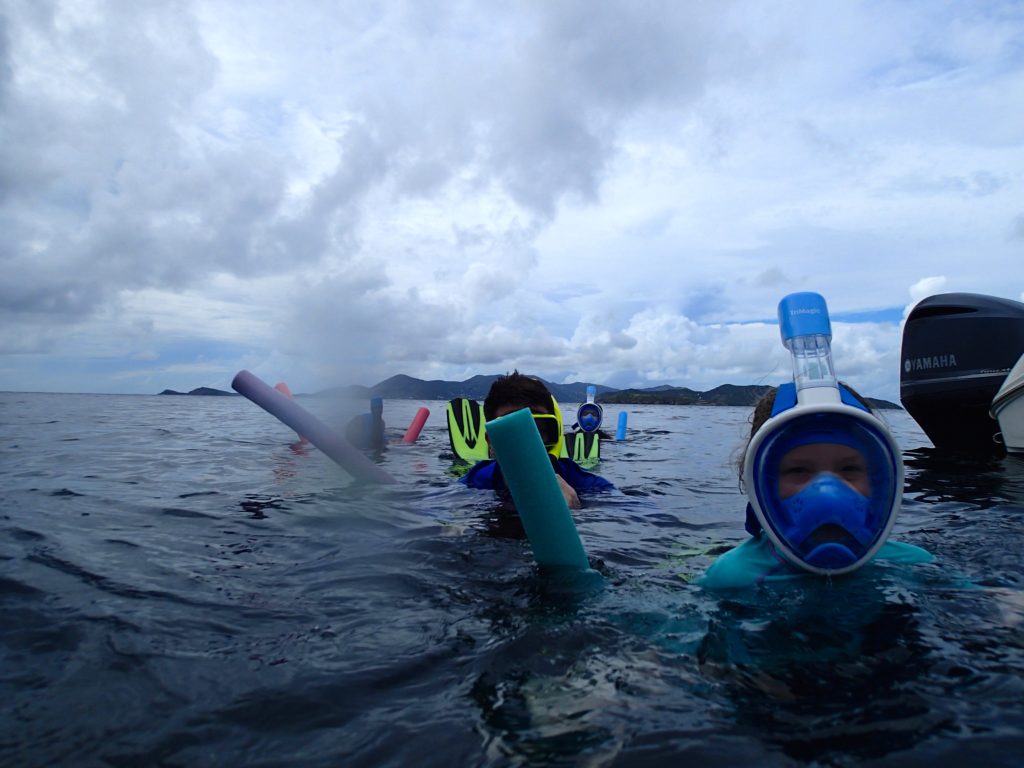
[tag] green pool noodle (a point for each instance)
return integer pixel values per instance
(538, 498)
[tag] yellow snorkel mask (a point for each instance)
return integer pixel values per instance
(551, 429)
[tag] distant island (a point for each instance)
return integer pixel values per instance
(402, 387)
(208, 391)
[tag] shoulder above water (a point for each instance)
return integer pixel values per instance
(755, 561)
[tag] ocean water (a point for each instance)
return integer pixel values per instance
(182, 584)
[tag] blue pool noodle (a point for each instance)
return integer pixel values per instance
(620, 433)
(302, 421)
(527, 469)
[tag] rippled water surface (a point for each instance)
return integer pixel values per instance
(181, 584)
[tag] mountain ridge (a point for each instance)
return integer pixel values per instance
(403, 387)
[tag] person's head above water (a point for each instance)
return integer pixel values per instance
(804, 461)
(822, 473)
(515, 391)
(823, 481)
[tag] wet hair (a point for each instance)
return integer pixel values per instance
(763, 410)
(519, 391)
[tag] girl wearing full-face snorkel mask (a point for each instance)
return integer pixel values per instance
(823, 475)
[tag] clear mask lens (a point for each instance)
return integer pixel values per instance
(825, 487)
(547, 425)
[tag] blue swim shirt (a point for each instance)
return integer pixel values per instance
(487, 475)
(756, 562)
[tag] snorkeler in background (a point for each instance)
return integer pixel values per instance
(512, 393)
(824, 476)
(366, 430)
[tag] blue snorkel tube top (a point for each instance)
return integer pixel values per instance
(827, 526)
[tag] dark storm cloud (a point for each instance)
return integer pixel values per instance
(117, 173)
(95, 171)
(529, 101)
(531, 97)
(580, 72)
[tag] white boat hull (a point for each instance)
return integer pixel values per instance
(1008, 409)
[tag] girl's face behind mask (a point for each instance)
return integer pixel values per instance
(824, 483)
(800, 466)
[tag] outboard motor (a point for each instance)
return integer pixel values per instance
(957, 350)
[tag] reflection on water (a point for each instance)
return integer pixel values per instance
(980, 500)
(825, 672)
(937, 476)
(183, 584)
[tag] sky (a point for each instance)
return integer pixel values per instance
(617, 193)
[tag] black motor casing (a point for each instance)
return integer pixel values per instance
(957, 350)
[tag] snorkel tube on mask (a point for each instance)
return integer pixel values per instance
(590, 414)
(828, 525)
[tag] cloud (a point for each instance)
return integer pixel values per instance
(614, 192)
(1018, 228)
(123, 190)
(922, 289)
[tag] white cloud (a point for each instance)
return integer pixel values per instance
(618, 193)
(927, 286)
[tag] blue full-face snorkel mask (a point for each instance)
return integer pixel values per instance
(823, 474)
(590, 414)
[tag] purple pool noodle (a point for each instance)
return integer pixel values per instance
(308, 425)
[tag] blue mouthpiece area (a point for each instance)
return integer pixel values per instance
(831, 556)
(826, 500)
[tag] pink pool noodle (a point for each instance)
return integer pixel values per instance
(283, 389)
(416, 425)
(302, 421)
